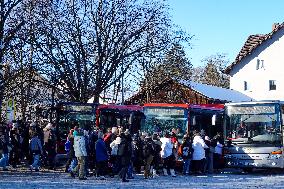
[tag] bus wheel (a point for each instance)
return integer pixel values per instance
(248, 170)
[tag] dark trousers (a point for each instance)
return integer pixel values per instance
(169, 162)
(101, 168)
(198, 166)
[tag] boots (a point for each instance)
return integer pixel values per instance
(165, 172)
(172, 171)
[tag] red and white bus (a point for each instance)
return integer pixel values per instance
(126, 116)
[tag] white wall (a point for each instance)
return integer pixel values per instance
(272, 52)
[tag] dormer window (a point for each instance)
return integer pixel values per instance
(259, 64)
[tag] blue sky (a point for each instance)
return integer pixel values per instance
(222, 26)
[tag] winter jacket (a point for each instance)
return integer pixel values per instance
(35, 145)
(198, 146)
(186, 149)
(114, 146)
(124, 151)
(167, 147)
(101, 150)
(80, 146)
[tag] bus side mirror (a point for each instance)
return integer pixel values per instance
(214, 119)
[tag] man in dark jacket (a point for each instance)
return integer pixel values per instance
(148, 154)
(124, 154)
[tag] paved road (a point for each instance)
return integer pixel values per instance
(227, 179)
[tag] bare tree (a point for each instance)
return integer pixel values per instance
(11, 23)
(88, 45)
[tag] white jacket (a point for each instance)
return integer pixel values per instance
(167, 147)
(198, 146)
(114, 145)
(80, 146)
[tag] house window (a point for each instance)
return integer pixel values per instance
(272, 85)
(245, 85)
(259, 64)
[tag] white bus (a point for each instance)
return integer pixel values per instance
(254, 136)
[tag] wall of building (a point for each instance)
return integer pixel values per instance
(271, 52)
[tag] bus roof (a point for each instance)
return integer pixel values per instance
(166, 105)
(121, 107)
(187, 106)
(208, 106)
(255, 102)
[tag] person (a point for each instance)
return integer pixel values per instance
(167, 155)
(137, 144)
(5, 149)
(208, 166)
(218, 152)
(124, 154)
(157, 158)
(80, 153)
(69, 148)
(198, 155)
(36, 151)
(186, 153)
(101, 156)
(148, 154)
(113, 157)
(16, 144)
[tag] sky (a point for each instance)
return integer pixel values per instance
(222, 26)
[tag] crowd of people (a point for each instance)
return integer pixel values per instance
(111, 153)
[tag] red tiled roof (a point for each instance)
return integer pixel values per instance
(252, 43)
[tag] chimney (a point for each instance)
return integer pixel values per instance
(274, 26)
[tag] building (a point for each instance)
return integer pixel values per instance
(27, 96)
(256, 71)
(171, 91)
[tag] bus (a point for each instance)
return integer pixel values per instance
(71, 114)
(125, 116)
(253, 135)
(183, 118)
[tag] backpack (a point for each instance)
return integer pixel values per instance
(67, 145)
(148, 149)
(121, 149)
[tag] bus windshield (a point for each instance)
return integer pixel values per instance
(253, 124)
(70, 115)
(165, 119)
